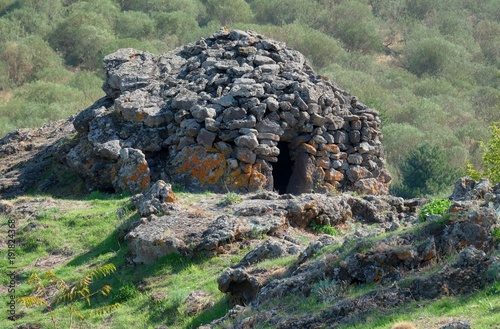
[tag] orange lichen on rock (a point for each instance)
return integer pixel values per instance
(333, 175)
(198, 163)
(171, 197)
(238, 178)
(332, 148)
(257, 181)
(140, 178)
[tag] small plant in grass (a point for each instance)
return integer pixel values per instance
(325, 229)
(496, 234)
(69, 294)
(125, 293)
(435, 207)
(327, 290)
(230, 198)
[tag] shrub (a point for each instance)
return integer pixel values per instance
(176, 23)
(229, 11)
(325, 229)
(316, 46)
(230, 198)
(26, 57)
(487, 34)
(435, 207)
(428, 55)
(134, 24)
(82, 38)
(125, 293)
(491, 156)
(425, 171)
(353, 23)
(282, 12)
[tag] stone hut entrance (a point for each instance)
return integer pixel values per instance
(282, 170)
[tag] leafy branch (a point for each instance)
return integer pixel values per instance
(69, 294)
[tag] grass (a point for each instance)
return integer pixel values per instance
(482, 310)
(230, 198)
(90, 233)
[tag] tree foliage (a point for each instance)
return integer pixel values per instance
(491, 154)
(425, 172)
(430, 67)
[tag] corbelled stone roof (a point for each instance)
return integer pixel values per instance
(235, 111)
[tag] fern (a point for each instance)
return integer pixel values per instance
(32, 301)
(104, 310)
(69, 294)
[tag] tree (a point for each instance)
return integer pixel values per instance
(491, 154)
(425, 172)
(134, 24)
(26, 57)
(354, 24)
(230, 11)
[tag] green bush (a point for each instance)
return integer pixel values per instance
(26, 57)
(125, 292)
(282, 12)
(487, 34)
(353, 23)
(82, 38)
(134, 24)
(230, 198)
(435, 207)
(424, 172)
(320, 49)
(491, 154)
(427, 56)
(229, 11)
(177, 23)
(325, 229)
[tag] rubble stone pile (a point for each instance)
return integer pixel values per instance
(236, 111)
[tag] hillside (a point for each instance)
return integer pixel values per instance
(431, 69)
(263, 260)
(250, 164)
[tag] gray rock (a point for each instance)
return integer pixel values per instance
(157, 200)
(271, 248)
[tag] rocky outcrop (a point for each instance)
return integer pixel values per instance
(32, 160)
(460, 247)
(233, 111)
(184, 231)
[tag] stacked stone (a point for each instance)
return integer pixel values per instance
(210, 115)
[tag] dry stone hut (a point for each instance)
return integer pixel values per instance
(236, 111)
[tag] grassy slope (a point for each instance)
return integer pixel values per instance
(89, 233)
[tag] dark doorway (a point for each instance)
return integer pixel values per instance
(282, 170)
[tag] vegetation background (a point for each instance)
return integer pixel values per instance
(432, 68)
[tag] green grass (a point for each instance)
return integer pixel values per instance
(230, 198)
(482, 309)
(90, 233)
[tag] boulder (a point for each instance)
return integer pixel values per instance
(157, 200)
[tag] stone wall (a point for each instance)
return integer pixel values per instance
(235, 111)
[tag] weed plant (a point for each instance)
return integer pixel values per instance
(435, 207)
